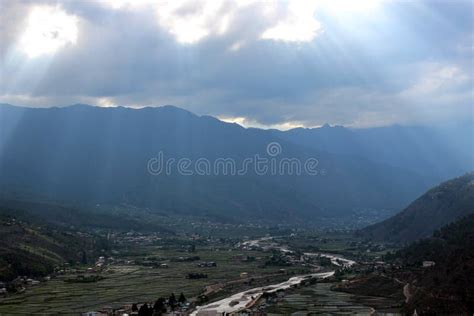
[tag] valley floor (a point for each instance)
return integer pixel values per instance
(143, 268)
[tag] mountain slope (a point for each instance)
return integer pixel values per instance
(446, 288)
(439, 206)
(100, 155)
(80, 217)
(33, 249)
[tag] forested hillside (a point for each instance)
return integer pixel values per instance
(439, 206)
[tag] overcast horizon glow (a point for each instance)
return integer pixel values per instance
(279, 64)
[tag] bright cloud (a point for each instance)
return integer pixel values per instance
(248, 122)
(287, 21)
(349, 5)
(48, 29)
(191, 21)
(297, 25)
(438, 78)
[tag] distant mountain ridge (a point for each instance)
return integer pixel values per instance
(442, 152)
(440, 206)
(99, 155)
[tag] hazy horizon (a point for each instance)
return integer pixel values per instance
(249, 125)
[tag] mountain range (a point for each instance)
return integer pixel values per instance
(90, 155)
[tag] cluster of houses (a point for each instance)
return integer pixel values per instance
(208, 264)
(19, 284)
(102, 261)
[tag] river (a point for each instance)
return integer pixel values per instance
(246, 299)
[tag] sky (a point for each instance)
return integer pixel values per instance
(269, 64)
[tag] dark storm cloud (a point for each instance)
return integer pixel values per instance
(403, 63)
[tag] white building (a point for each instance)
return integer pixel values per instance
(428, 264)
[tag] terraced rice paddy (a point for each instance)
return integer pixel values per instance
(319, 299)
(131, 283)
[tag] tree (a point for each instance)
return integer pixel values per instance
(159, 306)
(144, 310)
(172, 301)
(181, 298)
(83, 257)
